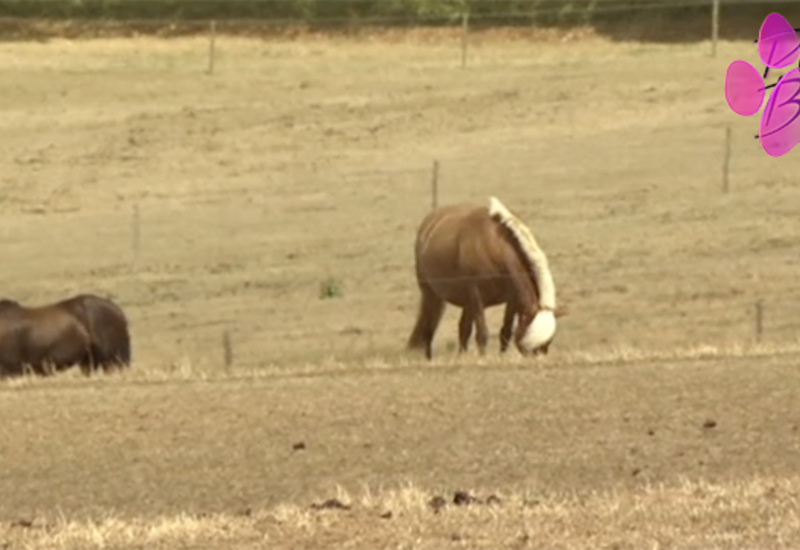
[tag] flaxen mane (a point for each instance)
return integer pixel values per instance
(535, 257)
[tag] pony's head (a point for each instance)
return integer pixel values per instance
(535, 333)
(537, 325)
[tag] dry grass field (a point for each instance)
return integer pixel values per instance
(302, 165)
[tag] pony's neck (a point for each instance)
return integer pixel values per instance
(527, 295)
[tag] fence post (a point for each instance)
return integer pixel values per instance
(759, 319)
(464, 34)
(136, 234)
(714, 27)
(211, 43)
(227, 349)
(435, 185)
(726, 160)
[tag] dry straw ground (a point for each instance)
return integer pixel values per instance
(655, 421)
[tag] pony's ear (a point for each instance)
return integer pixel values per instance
(561, 311)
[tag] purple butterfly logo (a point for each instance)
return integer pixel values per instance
(778, 47)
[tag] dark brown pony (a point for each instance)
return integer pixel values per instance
(43, 339)
(84, 330)
(475, 257)
(108, 328)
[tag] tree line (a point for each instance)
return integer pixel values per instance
(641, 20)
(388, 12)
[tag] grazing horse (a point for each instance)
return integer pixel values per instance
(44, 339)
(474, 257)
(107, 327)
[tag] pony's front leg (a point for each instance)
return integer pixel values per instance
(508, 328)
(464, 329)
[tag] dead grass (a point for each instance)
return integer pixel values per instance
(751, 513)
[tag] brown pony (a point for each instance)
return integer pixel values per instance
(476, 257)
(108, 328)
(44, 339)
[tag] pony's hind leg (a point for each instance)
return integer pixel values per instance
(87, 362)
(431, 309)
(508, 328)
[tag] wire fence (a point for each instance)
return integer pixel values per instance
(273, 291)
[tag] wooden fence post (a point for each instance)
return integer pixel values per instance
(435, 185)
(759, 319)
(464, 35)
(227, 349)
(211, 46)
(714, 27)
(726, 161)
(136, 234)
